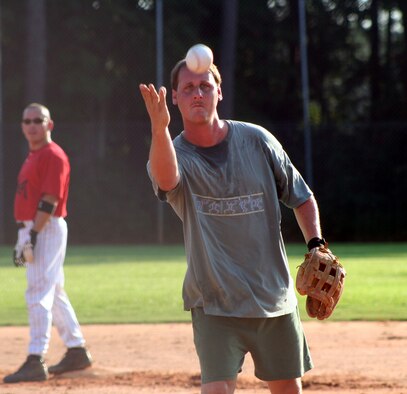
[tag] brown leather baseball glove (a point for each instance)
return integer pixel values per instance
(321, 278)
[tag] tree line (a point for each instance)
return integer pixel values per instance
(85, 59)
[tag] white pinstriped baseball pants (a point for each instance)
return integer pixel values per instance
(46, 299)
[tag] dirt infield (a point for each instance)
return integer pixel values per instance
(349, 357)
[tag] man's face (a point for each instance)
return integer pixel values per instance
(36, 126)
(197, 96)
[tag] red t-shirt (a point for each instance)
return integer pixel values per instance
(45, 171)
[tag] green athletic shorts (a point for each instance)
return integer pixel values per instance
(277, 345)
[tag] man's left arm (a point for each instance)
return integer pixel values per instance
(307, 215)
(321, 276)
(46, 209)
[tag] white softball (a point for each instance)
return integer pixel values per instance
(199, 58)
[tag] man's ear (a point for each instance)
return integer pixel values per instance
(50, 125)
(220, 96)
(174, 97)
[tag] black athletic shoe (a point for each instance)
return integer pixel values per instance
(75, 358)
(33, 370)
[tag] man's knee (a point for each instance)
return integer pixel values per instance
(289, 386)
(223, 387)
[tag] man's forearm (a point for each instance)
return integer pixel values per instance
(42, 217)
(163, 160)
(307, 216)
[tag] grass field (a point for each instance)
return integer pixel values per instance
(134, 284)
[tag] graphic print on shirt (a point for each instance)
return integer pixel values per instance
(22, 189)
(232, 206)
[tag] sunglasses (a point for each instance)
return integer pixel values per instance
(35, 121)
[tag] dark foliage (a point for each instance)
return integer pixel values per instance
(98, 51)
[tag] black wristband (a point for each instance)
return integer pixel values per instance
(46, 207)
(315, 242)
(33, 235)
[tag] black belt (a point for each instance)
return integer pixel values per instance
(20, 225)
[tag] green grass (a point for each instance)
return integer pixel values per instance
(134, 284)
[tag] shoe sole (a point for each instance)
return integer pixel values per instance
(68, 370)
(25, 380)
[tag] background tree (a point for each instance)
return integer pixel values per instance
(228, 47)
(36, 51)
(96, 52)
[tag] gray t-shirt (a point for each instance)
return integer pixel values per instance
(228, 200)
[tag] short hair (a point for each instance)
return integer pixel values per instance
(183, 63)
(44, 110)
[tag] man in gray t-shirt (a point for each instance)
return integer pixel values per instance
(225, 179)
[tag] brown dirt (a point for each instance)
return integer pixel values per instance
(349, 357)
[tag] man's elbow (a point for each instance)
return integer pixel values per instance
(167, 185)
(307, 203)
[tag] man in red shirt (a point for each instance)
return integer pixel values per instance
(39, 210)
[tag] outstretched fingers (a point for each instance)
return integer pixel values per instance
(155, 103)
(149, 94)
